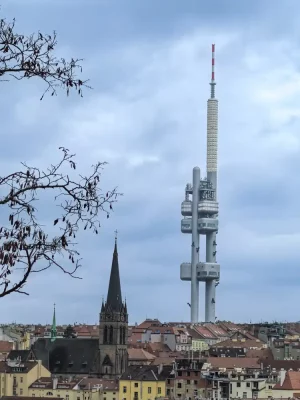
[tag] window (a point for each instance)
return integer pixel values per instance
(49, 394)
(188, 374)
(244, 395)
(238, 384)
(248, 384)
(149, 390)
(179, 385)
(159, 390)
(179, 373)
(195, 382)
(124, 389)
(168, 392)
(33, 395)
(67, 397)
(21, 391)
(196, 373)
(168, 381)
(105, 335)
(188, 382)
(21, 379)
(270, 386)
(136, 394)
(78, 397)
(136, 384)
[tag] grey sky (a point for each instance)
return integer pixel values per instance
(149, 63)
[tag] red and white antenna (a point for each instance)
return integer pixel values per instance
(212, 83)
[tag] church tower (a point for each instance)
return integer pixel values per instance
(113, 329)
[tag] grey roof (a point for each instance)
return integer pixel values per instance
(114, 295)
(147, 373)
(68, 356)
(22, 355)
(226, 352)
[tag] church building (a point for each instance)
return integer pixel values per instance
(106, 356)
(113, 328)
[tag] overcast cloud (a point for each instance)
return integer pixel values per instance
(149, 63)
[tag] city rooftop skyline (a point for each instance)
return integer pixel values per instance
(149, 65)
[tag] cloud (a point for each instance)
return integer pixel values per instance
(146, 116)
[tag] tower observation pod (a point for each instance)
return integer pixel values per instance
(200, 211)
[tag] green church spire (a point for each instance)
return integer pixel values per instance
(53, 328)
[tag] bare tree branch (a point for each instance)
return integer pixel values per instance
(26, 243)
(24, 57)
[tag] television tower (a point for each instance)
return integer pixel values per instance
(201, 217)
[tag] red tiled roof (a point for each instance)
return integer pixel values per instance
(291, 381)
(163, 361)
(148, 322)
(204, 332)
(140, 354)
(233, 362)
(135, 338)
(229, 326)
(215, 329)
(28, 365)
(6, 346)
(260, 353)
(157, 347)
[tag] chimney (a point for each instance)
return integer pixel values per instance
(160, 368)
(282, 374)
(54, 381)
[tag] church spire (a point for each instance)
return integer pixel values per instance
(114, 295)
(53, 328)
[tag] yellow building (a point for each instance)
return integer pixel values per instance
(199, 345)
(16, 377)
(144, 382)
(24, 342)
(75, 389)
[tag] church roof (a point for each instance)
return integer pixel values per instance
(114, 295)
(67, 356)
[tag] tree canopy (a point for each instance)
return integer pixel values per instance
(69, 332)
(27, 246)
